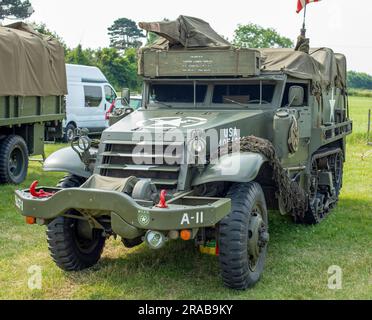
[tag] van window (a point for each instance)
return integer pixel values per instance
(93, 96)
(110, 94)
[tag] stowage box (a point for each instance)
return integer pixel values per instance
(184, 63)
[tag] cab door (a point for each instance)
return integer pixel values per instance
(92, 116)
(300, 124)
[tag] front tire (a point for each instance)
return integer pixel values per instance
(13, 160)
(70, 250)
(243, 237)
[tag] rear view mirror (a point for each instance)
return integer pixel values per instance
(296, 96)
(125, 97)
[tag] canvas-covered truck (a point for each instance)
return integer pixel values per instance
(223, 136)
(32, 104)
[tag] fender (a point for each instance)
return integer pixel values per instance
(239, 167)
(67, 160)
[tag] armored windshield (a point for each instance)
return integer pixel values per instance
(178, 93)
(212, 94)
(243, 93)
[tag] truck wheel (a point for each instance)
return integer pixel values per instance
(243, 237)
(70, 250)
(69, 132)
(13, 160)
(71, 181)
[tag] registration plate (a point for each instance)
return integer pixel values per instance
(19, 203)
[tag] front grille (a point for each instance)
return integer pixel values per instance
(147, 161)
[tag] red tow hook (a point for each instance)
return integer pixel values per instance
(41, 193)
(163, 201)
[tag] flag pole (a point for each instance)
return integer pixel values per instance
(303, 31)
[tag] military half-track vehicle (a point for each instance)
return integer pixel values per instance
(32, 104)
(223, 136)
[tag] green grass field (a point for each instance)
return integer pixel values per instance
(297, 265)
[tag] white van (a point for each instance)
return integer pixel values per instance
(89, 98)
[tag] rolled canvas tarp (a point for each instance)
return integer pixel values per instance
(31, 64)
(189, 32)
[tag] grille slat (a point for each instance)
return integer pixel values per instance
(141, 168)
(120, 161)
(144, 156)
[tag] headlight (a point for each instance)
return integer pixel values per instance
(84, 143)
(197, 142)
(155, 240)
(198, 145)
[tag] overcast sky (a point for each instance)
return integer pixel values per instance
(343, 25)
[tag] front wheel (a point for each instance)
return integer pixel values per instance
(244, 236)
(71, 248)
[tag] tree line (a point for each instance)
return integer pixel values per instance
(118, 61)
(359, 80)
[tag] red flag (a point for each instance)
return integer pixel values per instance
(302, 3)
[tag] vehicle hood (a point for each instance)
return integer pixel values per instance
(158, 121)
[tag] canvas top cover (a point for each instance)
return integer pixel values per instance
(31, 64)
(321, 65)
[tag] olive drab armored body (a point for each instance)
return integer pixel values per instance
(223, 136)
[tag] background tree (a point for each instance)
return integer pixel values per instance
(254, 36)
(120, 69)
(125, 34)
(43, 29)
(80, 56)
(359, 80)
(15, 9)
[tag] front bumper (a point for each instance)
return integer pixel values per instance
(184, 213)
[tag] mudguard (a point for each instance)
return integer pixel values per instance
(239, 167)
(66, 160)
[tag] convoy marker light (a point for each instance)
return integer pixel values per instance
(30, 220)
(186, 235)
(173, 235)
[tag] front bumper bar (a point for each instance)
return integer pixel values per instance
(185, 213)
